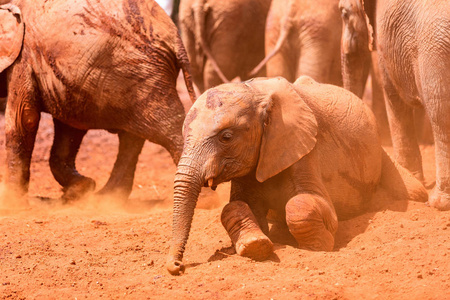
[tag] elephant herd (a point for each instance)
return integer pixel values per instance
(295, 144)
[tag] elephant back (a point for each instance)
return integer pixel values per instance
(96, 44)
(348, 145)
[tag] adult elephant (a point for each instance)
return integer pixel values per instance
(223, 39)
(303, 38)
(309, 151)
(359, 58)
(93, 64)
(412, 39)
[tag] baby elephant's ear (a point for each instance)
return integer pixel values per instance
(290, 127)
(11, 34)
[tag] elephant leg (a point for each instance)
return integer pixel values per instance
(436, 99)
(120, 182)
(440, 195)
(423, 126)
(210, 76)
(378, 104)
(281, 65)
(244, 231)
(317, 62)
(65, 147)
(312, 222)
(22, 118)
(403, 133)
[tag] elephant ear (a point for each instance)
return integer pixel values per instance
(290, 127)
(11, 34)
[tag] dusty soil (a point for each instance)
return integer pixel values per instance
(102, 248)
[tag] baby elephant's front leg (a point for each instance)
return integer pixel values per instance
(243, 229)
(312, 221)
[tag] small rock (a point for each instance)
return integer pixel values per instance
(98, 223)
(18, 256)
(420, 276)
(72, 262)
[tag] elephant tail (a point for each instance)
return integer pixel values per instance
(183, 62)
(199, 9)
(397, 183)
(286, 25)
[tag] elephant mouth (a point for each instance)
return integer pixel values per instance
(210, 183)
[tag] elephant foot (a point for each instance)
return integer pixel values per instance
(115, 193)
(439, 199)
(243, 229)
(316, 240)
(11, 198)
(312, 222)
(78, 188)
(254, 245)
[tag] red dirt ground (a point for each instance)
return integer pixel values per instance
(101, 248)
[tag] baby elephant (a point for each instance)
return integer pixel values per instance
(308, 151)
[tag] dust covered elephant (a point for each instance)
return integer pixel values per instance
(91, 64)
(223, 39)
(303, 38)
(308, 151)
(412, 39)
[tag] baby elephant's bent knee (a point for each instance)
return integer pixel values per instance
(312, 221)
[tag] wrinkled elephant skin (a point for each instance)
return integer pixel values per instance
(223, 39)
(91, 64)
(303, 38)
(412, 41)
(310, 152)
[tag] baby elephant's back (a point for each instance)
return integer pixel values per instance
(348, 145)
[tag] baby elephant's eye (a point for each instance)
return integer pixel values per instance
(226, 136)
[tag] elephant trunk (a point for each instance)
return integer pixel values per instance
(187, 186)
(355, 69)
(356, 47)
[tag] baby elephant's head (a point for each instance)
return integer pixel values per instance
(237, 128)
(260, 127)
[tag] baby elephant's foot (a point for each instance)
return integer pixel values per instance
(439, 199)
(243, 229)
(78, 188)
(254, 245)
(312, 221)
